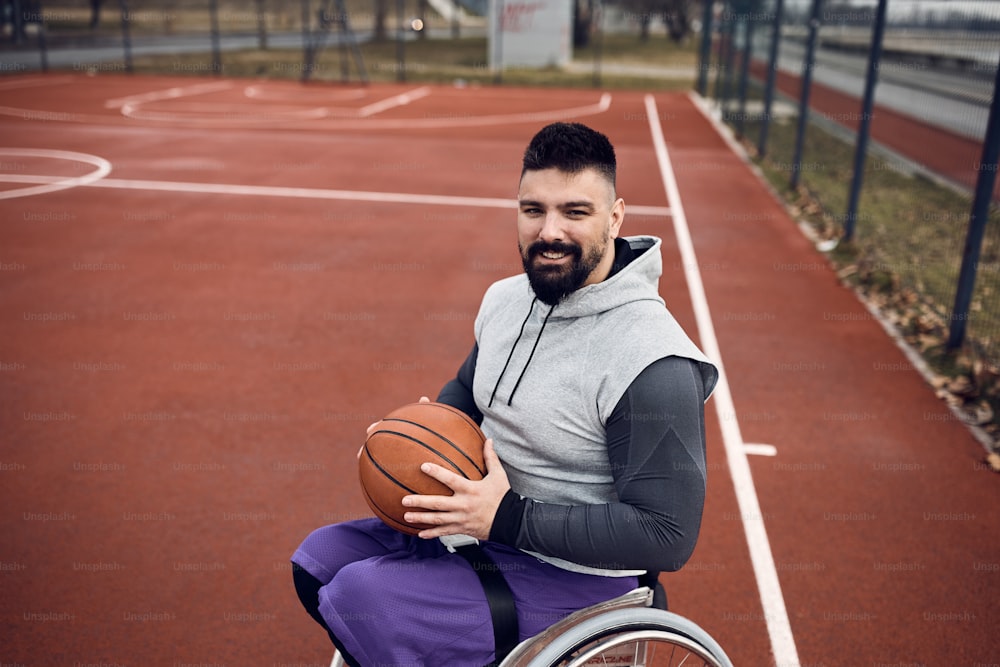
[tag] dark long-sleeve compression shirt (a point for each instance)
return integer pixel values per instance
(656, 452)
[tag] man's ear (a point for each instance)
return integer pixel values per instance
(617, 217)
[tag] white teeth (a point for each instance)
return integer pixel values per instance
(553, 255)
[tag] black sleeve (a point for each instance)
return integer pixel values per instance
(458, 392)
(656, 449)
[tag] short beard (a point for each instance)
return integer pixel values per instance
(553, 284)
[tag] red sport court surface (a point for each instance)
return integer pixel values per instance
(211, 287)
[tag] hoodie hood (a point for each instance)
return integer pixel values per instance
(547, 379)
(635, 277)
(636, 281)
(620, 323)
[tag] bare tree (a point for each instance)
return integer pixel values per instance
(676, 17)
(674, 14)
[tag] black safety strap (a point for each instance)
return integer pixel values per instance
(498, 596)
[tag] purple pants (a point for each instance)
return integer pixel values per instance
(393, 599)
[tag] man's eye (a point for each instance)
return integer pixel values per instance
(576, 213)
(531, 211)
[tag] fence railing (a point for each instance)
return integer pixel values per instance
(887, 117)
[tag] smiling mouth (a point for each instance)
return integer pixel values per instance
(553, 255)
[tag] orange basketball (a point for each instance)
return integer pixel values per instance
(389, 465)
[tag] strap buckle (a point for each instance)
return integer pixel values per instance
(454, 542)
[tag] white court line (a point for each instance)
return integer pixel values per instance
(334, 122)
(55, 184)
(456, 121)
(167, 94)
(262, 92)
(760, 449)
(303, 193)
(34, 83)
(772, 600)
(225, 114)
(657, 211)
(395, 101)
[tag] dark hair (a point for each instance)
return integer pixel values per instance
(570, 147)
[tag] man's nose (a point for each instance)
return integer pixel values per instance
(552, 228)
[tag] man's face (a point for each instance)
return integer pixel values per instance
(565, 227)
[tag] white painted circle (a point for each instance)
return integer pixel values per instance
(103, 168)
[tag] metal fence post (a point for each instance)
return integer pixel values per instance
(400, 44)
(772, 72)
(727, 81)
(497, 20)
(126, 36)
(705, 55)
(725, 44)
(261, 25)
(307, 47)
(17, 21)
(598, 44)
(807, 69)
(43, 47)
(864, 128)
(748, 26)
(978, 217)
(213, 11)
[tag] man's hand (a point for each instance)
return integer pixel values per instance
(470, 511)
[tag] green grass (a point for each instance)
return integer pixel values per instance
(430, 61)
(909, 230)
(629, 49)
(441, 61)
(177, 16)
(906, 249)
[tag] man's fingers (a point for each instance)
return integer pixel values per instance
(424, 502)
(490, 457)
(452, 480)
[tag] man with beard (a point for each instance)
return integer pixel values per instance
(592, 400)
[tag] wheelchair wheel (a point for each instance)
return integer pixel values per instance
(635, 637)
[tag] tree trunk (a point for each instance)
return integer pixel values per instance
(676, 21)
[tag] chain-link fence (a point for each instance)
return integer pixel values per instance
(873, 118)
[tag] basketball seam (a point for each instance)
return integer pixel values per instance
(386, 472)
(384, 515)
(453, 445)
(458, 413)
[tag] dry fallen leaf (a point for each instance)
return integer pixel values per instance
(939, 381)
(982, 413)
(848, 270)
(961, 386)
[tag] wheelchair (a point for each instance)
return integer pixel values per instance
(631, 630)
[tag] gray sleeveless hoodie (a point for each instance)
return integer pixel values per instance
(547, 378)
